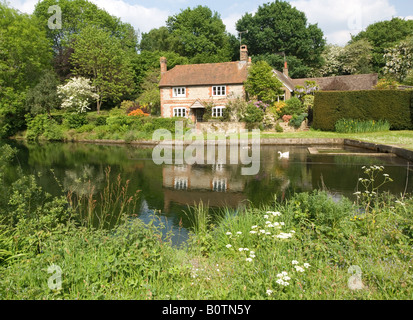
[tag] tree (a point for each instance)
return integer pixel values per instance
(277, 28)
(333, 65)
(383, 35)
(157, 40)
(399, 60)
(24, 53)
(200, 35)
(76, 15)
(150, 97)
(77, 94)
(262, 84)
(43, 98)
(24, 49)
(100, 57)
(356, 58)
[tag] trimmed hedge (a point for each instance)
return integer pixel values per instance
(395, 106)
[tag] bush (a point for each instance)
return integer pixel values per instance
(74, 120)
(253, 115)
(86, 128)
(100, 121)
(278, 128)
(293, 106)
(53, 131)
(297, 120)
(392, 105)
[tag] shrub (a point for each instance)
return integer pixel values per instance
(35, 126)
(286, 118)
(297, 120)
(138, 113)
(74, 120)
(53, 131)
(253, 114)
(278, 128)
(293, 106)
(100, 121)
(85, 128)
(392, 105)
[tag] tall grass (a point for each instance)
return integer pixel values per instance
(104, 209)
(359, 126)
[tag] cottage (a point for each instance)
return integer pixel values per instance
(185, 89)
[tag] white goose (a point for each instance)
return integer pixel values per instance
(284, 155)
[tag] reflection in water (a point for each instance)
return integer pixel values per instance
(171, 188)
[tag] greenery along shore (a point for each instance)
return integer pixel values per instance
(306, 247)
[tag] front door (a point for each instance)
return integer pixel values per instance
(199, 114)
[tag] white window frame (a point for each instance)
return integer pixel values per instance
(219, 91)
(180, 112)
(180, 183)
(179, 92)
(219, 185)
(218, 111)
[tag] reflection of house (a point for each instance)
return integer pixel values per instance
(186, 184)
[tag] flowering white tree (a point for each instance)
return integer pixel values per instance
(77, 94)
(399, 60)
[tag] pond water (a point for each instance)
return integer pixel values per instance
(169, 189)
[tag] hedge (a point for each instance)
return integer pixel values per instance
(395, 106)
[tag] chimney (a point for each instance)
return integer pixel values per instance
(164, 67)
(244, 53)
(285, 70)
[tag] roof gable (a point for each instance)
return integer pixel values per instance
(205, 74)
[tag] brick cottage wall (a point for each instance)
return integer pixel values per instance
(193, 93)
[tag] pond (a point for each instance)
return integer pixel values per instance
(169, 189)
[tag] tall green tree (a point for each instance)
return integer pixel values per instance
(277, 28)
(24, 53)
(76, 15)
(356, 58)
(43, 98)
(262, 84)
(157, 40)
(200, 35)
(384, 35)
(99, 56)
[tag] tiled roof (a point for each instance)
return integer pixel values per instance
(205, 74)
(286, 80)
(343, 83)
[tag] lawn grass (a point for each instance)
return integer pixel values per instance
(403, 139)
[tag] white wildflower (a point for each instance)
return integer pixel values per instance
(228, 246)
(294, 262)
(269, 292)
(299, 269)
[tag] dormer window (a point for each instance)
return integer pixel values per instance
(219, 91)
(179, 92)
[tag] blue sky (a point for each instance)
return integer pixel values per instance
(338, 19)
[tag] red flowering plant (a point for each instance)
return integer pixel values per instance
(286, 118)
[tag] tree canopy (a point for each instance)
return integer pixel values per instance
(101, 58)
(277, 28)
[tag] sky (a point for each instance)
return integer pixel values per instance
(339, 19)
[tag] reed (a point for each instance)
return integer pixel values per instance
(105, 208)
